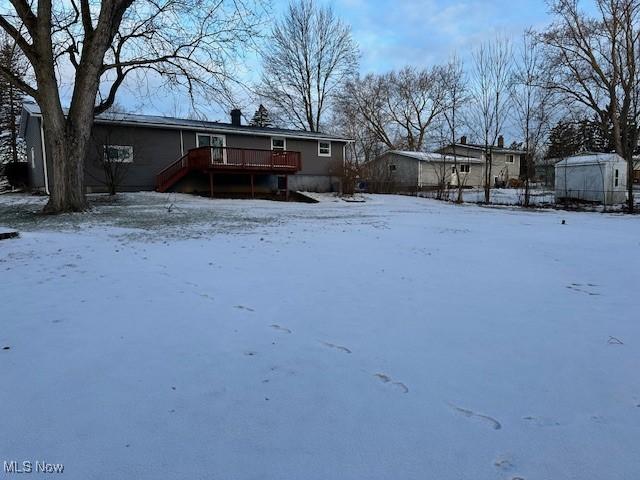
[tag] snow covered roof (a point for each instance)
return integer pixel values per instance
(435, 157)
(159, 121)
(589, 159)
(479, 147)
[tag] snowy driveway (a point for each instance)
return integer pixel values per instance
(177, 337)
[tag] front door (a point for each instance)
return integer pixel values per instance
(217, 142)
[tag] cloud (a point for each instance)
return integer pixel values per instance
(423, 32)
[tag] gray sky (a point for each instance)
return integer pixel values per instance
(393, 34)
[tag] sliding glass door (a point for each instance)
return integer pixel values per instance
(217, 142)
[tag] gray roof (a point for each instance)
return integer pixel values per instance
(434, 157)
(157, 121)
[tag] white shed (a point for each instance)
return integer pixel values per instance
(596, 177)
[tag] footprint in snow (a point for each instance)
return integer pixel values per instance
(387, 379)
(599, 419)
(542, 421)
(586, 289)
(242, 307)
(282, 329)
(337, 347)
(471, 414)
(504, 463)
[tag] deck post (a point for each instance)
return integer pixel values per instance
(211, 184)
(252, 191)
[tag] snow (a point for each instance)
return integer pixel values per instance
(590, 159)
(168, 336)
(435, 157)
(507, 196)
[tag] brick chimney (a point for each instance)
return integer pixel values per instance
(236, 117)
(500, 141)
(463, 140)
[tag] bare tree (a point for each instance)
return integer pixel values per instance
(184, 43)
(490, 99)
(593, 62)
(532, 105)
(348, 121)
(309, 57)
(399, 107)
(456, 96)
(367, 100)
(442, 171)
(115, 151)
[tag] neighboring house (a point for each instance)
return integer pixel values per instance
(505, 162)
(592, 177)
(184, 155)
(405, 171)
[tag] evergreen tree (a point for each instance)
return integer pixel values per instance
(11, 99)
(595, 137)
(564, 140)
(261, 118)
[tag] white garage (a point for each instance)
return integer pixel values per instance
(597, 177)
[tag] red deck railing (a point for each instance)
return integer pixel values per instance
(226, 159)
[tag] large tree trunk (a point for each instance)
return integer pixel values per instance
(67, 141)
(67, 154)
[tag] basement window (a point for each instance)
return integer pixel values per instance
(324, 149)
(118, 153)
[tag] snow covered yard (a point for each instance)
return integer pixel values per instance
(511, 196)
(179, 337)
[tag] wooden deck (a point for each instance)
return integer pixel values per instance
(212, 160)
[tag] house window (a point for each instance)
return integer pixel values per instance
(464, 168)
(118, 153)
(278, 143)
(453, 169)
(509, 158)
(324, 149)
(392, 168)
(207, 140)
(616, 178)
